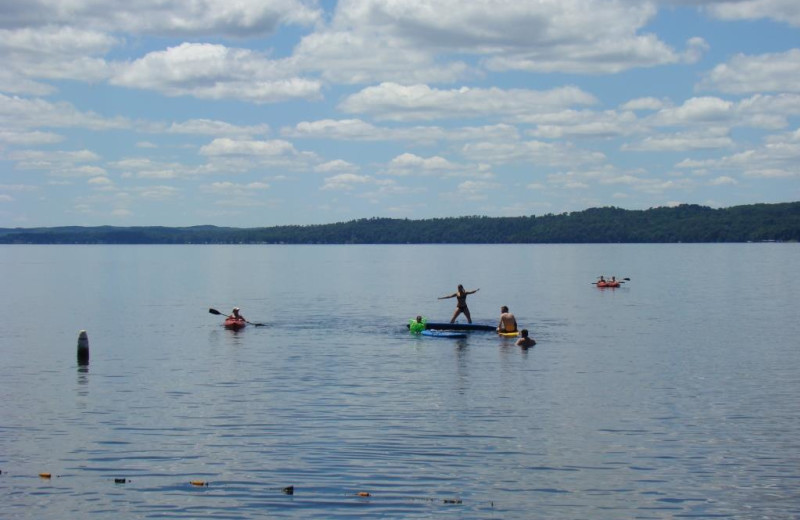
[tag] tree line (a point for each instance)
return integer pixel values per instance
(684, 223)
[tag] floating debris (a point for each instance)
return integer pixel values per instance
(45, 475)
(199, 483)
(452, 500)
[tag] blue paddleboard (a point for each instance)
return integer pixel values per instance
(443, 334)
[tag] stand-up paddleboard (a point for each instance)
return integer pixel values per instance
(459, 326)
(508, 334)
(443, 334)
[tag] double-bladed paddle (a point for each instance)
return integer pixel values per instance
(215, 311)
(620, 281)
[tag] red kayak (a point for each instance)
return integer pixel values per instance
(608, 284)
(235, 324)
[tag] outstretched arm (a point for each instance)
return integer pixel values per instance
(473, 292)
(446, 297)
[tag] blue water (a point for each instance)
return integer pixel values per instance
(673, 396)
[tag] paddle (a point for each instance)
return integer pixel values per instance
(623, 280)
(215, 311)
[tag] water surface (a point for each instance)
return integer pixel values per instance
(672, 396)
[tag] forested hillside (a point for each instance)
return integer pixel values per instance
(685, 223)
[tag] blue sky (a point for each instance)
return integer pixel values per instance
(270, 112)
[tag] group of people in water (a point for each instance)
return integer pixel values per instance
(508, 322)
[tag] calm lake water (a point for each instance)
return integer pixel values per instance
(676, 395)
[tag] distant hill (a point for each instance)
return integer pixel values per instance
(685, 223)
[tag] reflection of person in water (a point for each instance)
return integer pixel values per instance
(461, 302)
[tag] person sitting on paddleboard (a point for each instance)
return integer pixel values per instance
(461, 306)
(508, 323)
(524, 341)
(235, 314)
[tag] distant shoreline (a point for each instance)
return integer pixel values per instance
(685, 223)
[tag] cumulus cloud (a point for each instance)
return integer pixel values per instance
(534, 152)
(51, 53)
(59, 163)
(212, 71)
(787, 11)
(337, 165)
(709, 138)
(776, 158)
(396, 102)
(345, 182)
(776, 72)
(419, 41)
(217, 128)
(167, 17)
(584, 124)
(359, 130)
(22, 113)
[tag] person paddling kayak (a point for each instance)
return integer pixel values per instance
(234, 315)
(461, 302)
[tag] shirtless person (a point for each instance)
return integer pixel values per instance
(461, 302)
(524, 341)
(508, 323)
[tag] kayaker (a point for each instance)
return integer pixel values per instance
(508, 323)
(461, 306)
(235, 314)
(524, 341)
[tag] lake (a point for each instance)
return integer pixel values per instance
(675, 395)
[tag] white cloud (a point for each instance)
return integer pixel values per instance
(167, 17)
(722, 181)
(212, 71)
(777, 157)
(787, 11)
(51, 52)
(227, 146)
(337, 165)
(23, 113)
(216, 128)
(345, 182)
(588, 124)
(408, 164)
(535, 152)
(58, 163)
(397, 102)
(645, 103)
(419, 41)
(359, 130)
(778, 72)
(708, 138)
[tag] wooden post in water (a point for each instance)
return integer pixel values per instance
(83, 348)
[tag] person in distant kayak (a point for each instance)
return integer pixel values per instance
(524, 340)
(461, 302)
(508, 323)
(235, 314)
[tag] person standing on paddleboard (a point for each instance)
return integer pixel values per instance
(461, 306)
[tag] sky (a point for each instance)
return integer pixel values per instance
(253, 113)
